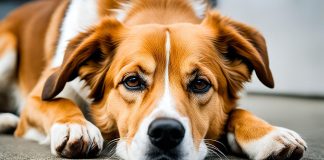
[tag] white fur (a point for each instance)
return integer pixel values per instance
(165, 108)
(18, 97)
(122, 11)
(199, 7)
(81, 14)
(8, 121)
(232, 143)
(167, 102)
(8, 62)
(60, 132)
(269, 144)
(35, 135)
(77, 91)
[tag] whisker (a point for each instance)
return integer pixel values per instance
(217, 142)
(219, 151)
(213, 152)
(113, 152)
(109, 147)
(214, 148)
(109, 150)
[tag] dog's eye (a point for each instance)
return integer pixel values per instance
(134, 83)
(199, 86)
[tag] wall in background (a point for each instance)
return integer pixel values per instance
(7, 5)
(294, 30)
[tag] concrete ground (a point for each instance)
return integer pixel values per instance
(305, 116)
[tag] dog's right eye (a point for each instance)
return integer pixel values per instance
(134, 83)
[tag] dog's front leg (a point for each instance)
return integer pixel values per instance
(71, 135)
(258, 139)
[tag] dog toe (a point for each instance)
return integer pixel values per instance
(75, 140)
(281, 143)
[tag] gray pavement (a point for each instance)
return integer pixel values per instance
(305, 116)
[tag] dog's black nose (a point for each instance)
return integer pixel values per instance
(166, 133)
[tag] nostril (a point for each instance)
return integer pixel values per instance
(156, 133)
(166, 133)
(176, 134)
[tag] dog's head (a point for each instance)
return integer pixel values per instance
(163, 88)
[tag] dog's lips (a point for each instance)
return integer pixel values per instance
(158, 154)
(163, 158)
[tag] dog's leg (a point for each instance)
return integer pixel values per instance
(8, 58)
(258, 139)
(70, 134)
(8, 100)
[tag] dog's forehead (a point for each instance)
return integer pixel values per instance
(188, 43)
(186, 32)
(189, 40)
(183, 37)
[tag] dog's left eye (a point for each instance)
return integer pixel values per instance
(199, 86)
(134, 83)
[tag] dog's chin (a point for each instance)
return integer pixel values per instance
(157, 154)
(161, 157)
(149, 152)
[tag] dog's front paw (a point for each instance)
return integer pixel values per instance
(75, 140)
(281, 143)
(8, 122)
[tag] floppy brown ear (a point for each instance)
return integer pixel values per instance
(240, 43)
(90, 51)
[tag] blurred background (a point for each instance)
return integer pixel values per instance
(294, 31)
(7, 5)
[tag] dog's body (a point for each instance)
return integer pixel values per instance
(158, 67)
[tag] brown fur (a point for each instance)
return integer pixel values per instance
(42, 114)
(24, 23)
(246, 126)
(7, 41)
(231, 73)
(217, 47)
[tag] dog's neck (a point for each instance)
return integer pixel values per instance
(161, 12)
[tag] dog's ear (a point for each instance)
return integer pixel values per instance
(88, 56)
(240, 45)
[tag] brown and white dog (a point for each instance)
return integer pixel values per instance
(163, 76)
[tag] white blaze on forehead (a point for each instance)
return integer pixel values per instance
(167, 55)
(166, 105)
(167, 98)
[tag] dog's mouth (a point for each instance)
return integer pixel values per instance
(153, 152)
(158, 154)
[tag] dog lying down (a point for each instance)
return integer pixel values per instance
(157, 78)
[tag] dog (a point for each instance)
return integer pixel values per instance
(158, 77)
